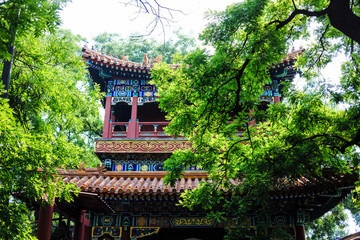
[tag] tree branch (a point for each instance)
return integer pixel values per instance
(354, 141)
(295, 13)
(153, 7)
(342, 148)
(340, 15)
(91, 129)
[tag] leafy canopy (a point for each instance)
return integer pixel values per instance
(20, 17)
(214, 96)
(48, 121)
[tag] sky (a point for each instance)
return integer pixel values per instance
(90, 18)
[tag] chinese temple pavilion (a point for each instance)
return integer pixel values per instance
(126, 198)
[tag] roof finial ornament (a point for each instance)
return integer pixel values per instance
(145, 59)
(158, 59)
(101, 169)
(124, 58)
(61, 168)
(81, 167)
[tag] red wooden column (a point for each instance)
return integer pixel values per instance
(125, 233)
(252, 122)
(45, 222)
(133, 130)
(276, 98)
(107, 124)
(300, 232)
(80, 226)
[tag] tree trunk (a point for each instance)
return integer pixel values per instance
(343, 18)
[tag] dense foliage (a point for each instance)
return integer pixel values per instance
(329, 226)
(50, 115)
(215, 95)
(50, 91)
(21, 17)
(47, 122)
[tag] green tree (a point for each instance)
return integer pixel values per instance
(352, 204)
(135, 48)
(48, 121)
(329, 226)
(20, 17)
(213, 95)
(51, 91)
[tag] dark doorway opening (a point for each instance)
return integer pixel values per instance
(122, 112)
(106, 237)
(187, 233)
(150, 112)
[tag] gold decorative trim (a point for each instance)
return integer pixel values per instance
(192, 221)
(140, 146)
(98, 231)
(139, 232)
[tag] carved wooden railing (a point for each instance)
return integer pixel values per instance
(139, 129)
(152, 129)
(119, 129)
(144, 129)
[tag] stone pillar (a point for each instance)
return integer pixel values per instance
(133, 130)
(107, 130)
(45, 222)
(300, 232)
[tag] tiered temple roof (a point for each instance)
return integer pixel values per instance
(319, 194)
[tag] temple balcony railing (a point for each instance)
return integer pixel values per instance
(143, 130)
(152, 129)
(137, 130)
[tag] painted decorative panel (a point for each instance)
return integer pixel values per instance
(98, 231)
(109, 223)
(123, 90)
(145, 166)
(139, 232)
(137, 166)
(140, 146)
(192, 222)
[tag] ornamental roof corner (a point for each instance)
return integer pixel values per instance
(123, 61)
